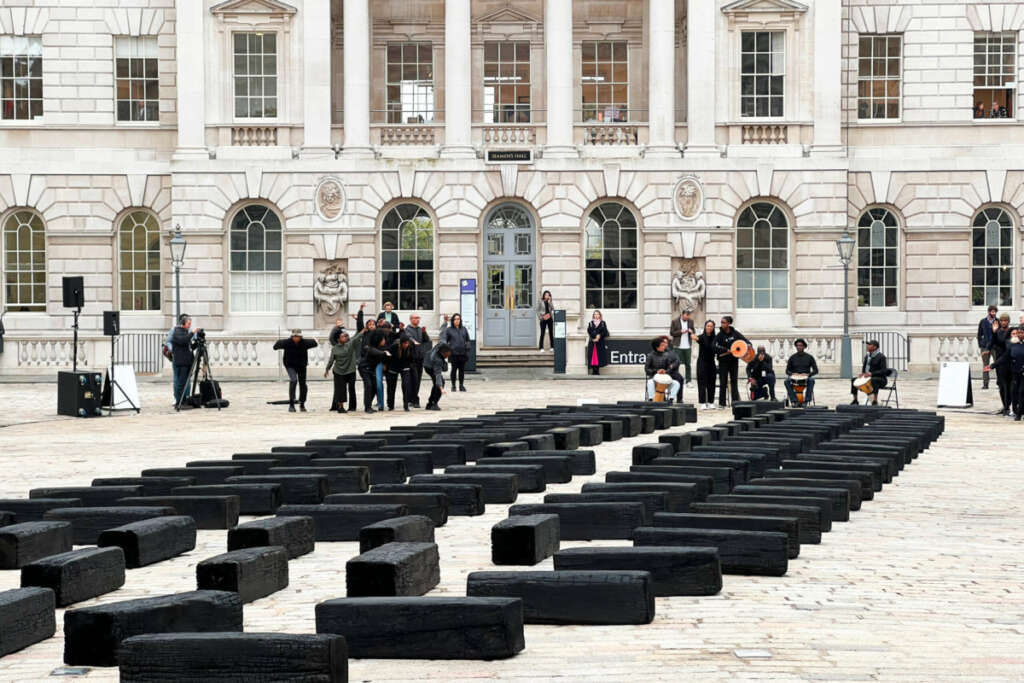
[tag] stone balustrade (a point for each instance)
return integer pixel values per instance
(254, 136)
(611, 134)
(407, 135)
(508, 135)
(765, 134)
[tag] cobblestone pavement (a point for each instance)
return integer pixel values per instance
(925, 583)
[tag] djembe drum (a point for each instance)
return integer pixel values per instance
(661, 385)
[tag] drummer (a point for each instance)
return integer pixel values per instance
(728, 364)
(761, 376)
(662, 362)
(800, 363)
(874, 366)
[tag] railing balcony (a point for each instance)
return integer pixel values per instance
(765, 134)
(254, 136)
(403, 135)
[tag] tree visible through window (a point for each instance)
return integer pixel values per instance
(24, 262)
(407, 258)
(992, 258)
(611, 257)
(762, 257)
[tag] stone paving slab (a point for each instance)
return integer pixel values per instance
(926, 583)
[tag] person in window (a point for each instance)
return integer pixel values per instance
(706, 369)
(435, 366)
(800, 363)
(389, 315)
(296, 360)
(344, 354)
(761, 375)
(728, 364)
(662, 361)
(456, 337)
(986, 327)
(420, 340)
(1013, 361)
(875, 367)
(597, 347)
(546, 315)
(979, 111)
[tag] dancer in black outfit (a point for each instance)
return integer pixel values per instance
(366, 371)
(399, 368)
(728, 364)
(296, 360)
(706, 366)
(435, 366)
(456, 337)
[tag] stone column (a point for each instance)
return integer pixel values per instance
(458, 76)
(316, 79)
(357, 79)
(700, 78)
(828, 71)
(191, 87)
(558, 54)
(661, 59)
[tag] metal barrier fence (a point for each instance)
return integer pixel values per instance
(142, 351)
(894, 345)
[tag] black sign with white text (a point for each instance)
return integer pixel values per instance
(517, 156)
(628, 351)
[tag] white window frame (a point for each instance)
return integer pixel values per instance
(7, 42)
(278, 99)
(5, 267)
(266, 282)
(131, 216)
(872, 79)
(627, 105)
(1014, 257)
(419, 93)
(488, 92)
(136, 44)
(771, 269)
(589, 223)
(785, 74)
(1012, 85)
(897, 250)
(406, 215)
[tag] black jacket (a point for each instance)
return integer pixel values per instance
(758, 368)
(876, 365)
(400, 360)
(661, 360)
(182, 343)
(1000, 341)
(392, 318)
(802, 362)
(985, 333)
(457, 338)
(706, 349)
(436, 366)
(723, 343)
(1013, 359)
(296, 355)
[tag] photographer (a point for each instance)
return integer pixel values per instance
(181, 341)
(296, 359)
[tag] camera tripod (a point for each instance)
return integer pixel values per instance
(200, 362)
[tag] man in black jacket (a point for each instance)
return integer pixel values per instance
(876, 367)
(728, 364)
(296, 359)
(1012, 360)
(662, 361)
(435, 366)
(985, 329)
(761, 375)
(800, 363)
(421, 345)
(182, 343)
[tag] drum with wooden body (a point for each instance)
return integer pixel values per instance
(799, 383)
(661, 385)
(864, 384)
(742, 350)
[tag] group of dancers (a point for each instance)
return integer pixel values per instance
(1002, 350)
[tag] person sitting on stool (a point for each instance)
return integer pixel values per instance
(875, 367)
(761, 376)
(800, 363)
(662, 362)
(296, 359)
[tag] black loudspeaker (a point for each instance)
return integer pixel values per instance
(74, 292)
(111, 323)
(79, 394)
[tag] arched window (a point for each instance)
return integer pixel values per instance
(24, 262)
(762, 257)
(611, 257)
(139, 248)
(407, 258)
(256, 282)
(992, 258)
(878, 251)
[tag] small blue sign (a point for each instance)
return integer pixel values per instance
(468, 286)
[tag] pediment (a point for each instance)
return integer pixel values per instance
(758, 6)
(507, 15)
(253, 7)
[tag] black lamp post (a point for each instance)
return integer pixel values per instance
(178, 245)
(845, 245)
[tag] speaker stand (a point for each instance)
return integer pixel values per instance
(114, 386)
(74, 345)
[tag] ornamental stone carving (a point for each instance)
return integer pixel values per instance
(330, 290)
(688, 287)
(329, 199)
(688, 197)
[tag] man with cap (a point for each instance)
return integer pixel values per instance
(296, 359)
(800, 363)
(874, 366)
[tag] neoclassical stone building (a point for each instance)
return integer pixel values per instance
(592, 148)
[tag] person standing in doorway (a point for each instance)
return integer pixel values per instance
(986, 327)
(456, 337)
(706, 369)
(296, 360)
(546, 315)
(682, 333)
(597, 347)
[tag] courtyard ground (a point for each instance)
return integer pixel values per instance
(926, 583)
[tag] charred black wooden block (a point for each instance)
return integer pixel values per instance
(33, 509)
(525, 539)
(77, 575)
(297, 535)
(296, 489)
(786, 525)
(583, 461)
(588, 521)
(425, 627)
(249, 465)
(441, 454)
(677, 499)
(27, 617)
(149, 541)
(674, 571)
(408, 529)
(87, 523)
(810, 516)
(210, 512)
(591, 434)
(463, 499)
(253, 499)
(741, 552)
(556, 469)
(566, 438)
(284, 458)
(151, 486)
(393, 569)
(22, 544)
(531, 477)
(91, 496)
(497, 487)
(201, 475)
(341, 478)
(653, 501)
(253, 573)
(342, 522)
(646, 452)
(431, 505)
(416, 461)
